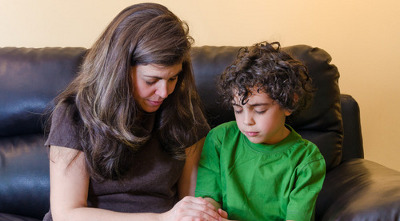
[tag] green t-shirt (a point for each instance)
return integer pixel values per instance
(260, 181)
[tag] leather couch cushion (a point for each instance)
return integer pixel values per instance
(29, 79)
(360, 189)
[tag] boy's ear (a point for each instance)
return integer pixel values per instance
(287, 112)
(295, 98)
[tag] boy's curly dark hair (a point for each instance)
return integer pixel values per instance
(266, 68)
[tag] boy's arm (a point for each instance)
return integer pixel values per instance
(308, 184)
(208, 184)
(209, 175)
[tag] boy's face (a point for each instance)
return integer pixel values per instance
(261, 119)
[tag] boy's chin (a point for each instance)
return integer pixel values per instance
(255, 140)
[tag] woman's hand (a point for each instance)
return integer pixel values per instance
(192, 208)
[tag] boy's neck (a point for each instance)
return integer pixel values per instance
(285, 133)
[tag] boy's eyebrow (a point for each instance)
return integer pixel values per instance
(259, 104)
(237, 105)
(253, 105)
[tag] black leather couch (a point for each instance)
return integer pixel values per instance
(354, 188)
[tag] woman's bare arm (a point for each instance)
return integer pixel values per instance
(187, 182)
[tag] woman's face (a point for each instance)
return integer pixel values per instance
(153, 83)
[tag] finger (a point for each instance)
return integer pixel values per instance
(223, 213)
(190, 214)
(200, 201)
(197, 208)
(209, 204)
(204, 210)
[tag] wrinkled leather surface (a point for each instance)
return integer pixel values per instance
(31, 78)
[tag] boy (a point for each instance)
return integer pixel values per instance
(259, 168)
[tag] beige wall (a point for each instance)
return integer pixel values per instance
(363, 37)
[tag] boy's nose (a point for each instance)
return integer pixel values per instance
(248, 119)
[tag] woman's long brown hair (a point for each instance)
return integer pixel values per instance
(141, 34)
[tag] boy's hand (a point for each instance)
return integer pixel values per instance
(191, 208)
(224, 215)
(221, 212)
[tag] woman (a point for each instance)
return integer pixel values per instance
(120, 131)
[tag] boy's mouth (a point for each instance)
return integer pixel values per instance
(251, 134)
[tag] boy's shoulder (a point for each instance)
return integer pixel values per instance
(298, 138)
(226, 125)
(307, 154)
(304, 145)
(225, 129)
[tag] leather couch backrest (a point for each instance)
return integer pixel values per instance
(29, 79)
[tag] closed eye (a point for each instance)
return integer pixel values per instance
(151, 82)
(173, 78)
(237, 108)
(261, 112)
(238, 111)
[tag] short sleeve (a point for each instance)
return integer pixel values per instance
(63, 130)
(208, 176)
(308, 184)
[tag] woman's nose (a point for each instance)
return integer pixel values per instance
(162, 89)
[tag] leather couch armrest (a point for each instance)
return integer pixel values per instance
(360, 189)
(352, 138)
